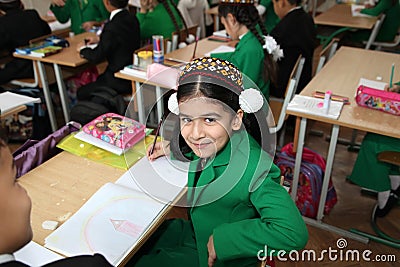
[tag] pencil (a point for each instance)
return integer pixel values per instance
(157, 134)
(195, 47)
(391, 77)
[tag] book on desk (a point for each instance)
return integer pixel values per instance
(115, 219)
(46, 51)
(9, 101)
(135, 70)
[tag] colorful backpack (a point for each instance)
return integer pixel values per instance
(310, 180)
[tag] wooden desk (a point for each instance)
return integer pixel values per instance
(68, 57)
(340, 16)
(341, 75)
(185, 55)
(12, 111)
(61, 185)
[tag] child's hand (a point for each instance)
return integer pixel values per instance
(160, 149)
(212, 255)
(88, 25)
(60, 3)
(394, 88)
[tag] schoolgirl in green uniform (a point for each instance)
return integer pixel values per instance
(382, 177)
(83, 13)
(255, 55)
(159, 17)
(236, 205)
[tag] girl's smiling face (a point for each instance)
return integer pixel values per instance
(206, 125)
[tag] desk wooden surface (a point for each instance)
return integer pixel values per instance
(13, 111)
(341, 75)
(340, 15)
(61, 186)
(68, 56)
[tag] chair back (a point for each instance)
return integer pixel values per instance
(278, 105)
(327, 53)
(394, 43)
(181, 36)
(375, 30)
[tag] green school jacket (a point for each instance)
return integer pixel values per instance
(92, 10)
(271, 19)
(158, 22)
(389, 26)
(243, 206)
(248, 57)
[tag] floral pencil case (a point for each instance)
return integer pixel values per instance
(378, 99)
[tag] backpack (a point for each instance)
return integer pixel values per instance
(310, 180)
(103, 100)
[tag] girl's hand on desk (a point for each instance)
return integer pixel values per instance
(58, 2)
(395, 88)
(88, 25)
(212, 255)
(160, 149)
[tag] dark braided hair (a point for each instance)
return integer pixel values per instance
(171, 15)
(248, 16)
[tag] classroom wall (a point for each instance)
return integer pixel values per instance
(42, 6)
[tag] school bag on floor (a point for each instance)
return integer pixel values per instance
(310, 180)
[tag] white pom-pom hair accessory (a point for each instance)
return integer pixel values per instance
(251, 100)
(173, 105)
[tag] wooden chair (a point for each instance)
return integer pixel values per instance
(327, 53)
(278, 105)
(390, 157)
(181, 36)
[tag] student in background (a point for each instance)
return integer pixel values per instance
(17, 27)
(116, 44)
(256, 54)
(296, 35)
(159, 17)
(266, 10)
(237, 206)
(193, 14)
(390, 25)
(84, 14)
(372, 174)
(15, 223)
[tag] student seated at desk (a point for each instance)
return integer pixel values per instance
(296, 35)
(15, 225)
(84, 14)
(237, 206)
(256, 54)
(17, 27)
(372, 174)
(116, 44)
(266, 10)
(159, 17)
(390, 25)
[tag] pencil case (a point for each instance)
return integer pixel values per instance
(385, 101)
(116, 130)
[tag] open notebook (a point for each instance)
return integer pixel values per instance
(119, 214)
(313, 106)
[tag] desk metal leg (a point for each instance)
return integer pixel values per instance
(140, 103)
(160, 105)
(331, 153)
(299, 154)
(62, 91)
(47, 96)
(328, 171)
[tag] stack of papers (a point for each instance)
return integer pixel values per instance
(9, 101)
(313, 106)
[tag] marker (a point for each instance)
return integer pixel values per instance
(195, 47)
(391, 77)
(327, 101)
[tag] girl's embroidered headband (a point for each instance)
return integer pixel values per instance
(222, 73)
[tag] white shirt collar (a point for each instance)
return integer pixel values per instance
(115, 12)
(6, 258)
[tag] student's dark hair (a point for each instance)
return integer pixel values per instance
(248, 16)
(224, 95)
(171, 15)
(119, 3)
(17, 4)
(295, 2)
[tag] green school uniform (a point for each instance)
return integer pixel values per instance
(370, 173)
(248, 57)
(238, 200)
(80, 11)
(158, 22)
(271, 19)
(389, 26)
